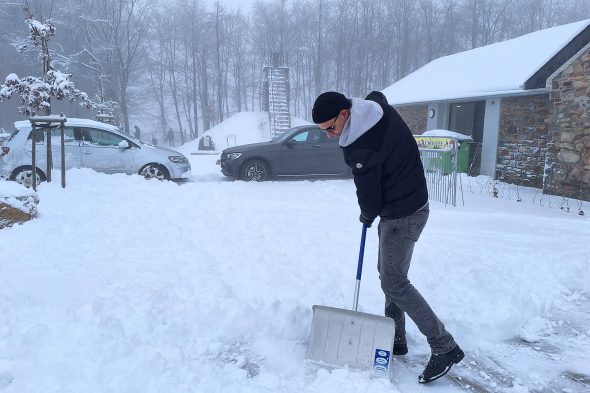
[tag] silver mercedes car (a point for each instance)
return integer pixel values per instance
(88, 144)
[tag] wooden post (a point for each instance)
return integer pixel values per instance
(49, 154)
(63, 154)
(48, 122)
(34, 156)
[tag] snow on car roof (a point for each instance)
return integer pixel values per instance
(73, 121)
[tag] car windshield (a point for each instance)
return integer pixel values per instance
(12, 135)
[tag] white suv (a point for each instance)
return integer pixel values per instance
(88, 144)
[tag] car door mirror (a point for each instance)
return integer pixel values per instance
(124, 144)
(291, 143)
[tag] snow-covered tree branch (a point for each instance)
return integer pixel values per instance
(34, 92)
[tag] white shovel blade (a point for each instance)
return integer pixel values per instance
(341, 337)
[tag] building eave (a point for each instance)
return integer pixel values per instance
(539, 78)
(481, 96)
(549, 82)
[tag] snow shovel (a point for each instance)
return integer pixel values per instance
(341, 337)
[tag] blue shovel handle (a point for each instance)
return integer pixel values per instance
(359, 269)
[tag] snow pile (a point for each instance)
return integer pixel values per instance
(17, 203)
(240, 129)
(10, 189)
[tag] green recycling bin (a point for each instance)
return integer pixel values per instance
(463, 157)
(445, 163)
(437, 160)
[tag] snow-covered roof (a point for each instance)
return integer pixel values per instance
(497, 69)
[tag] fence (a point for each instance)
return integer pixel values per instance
(439, 159)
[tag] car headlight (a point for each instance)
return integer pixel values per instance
(178, 159)
(233, 156)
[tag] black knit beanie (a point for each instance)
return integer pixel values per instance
(328, 105)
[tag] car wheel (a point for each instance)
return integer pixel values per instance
(24, 176)
(255, 170)
(155, 171)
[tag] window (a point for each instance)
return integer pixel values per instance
(13, 135)
(301, 137)
(39, 134)
(55, 135)
(94, 136)
(314, 136)
(68, 136)
(309, 136)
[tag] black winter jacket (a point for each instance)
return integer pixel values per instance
(387, 169)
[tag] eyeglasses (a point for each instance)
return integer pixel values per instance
(332, 127)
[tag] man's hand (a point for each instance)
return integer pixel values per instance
(366, 221)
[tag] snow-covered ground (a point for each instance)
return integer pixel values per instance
(127, 285)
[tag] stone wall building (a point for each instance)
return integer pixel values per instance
(523, 140)
(414, 116)
(528, 116)
(567, 167)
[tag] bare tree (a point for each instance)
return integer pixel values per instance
(201, 63)
(237, 31)
(122, 24)
(157, 79)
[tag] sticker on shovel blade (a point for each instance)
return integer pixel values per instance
(381, 361)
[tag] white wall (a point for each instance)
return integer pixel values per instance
(491, 130)
(441, 116)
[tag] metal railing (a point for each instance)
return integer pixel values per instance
(440, 170)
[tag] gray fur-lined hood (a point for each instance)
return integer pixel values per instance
(364, 114)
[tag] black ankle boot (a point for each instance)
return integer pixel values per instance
(400, 346)
(440, 364)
